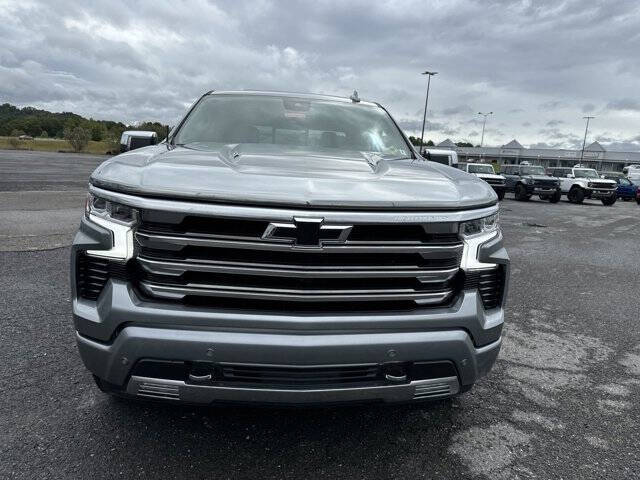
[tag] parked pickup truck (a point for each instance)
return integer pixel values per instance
(287, 249)
(578, 183)
(526, 180)
(486, 172)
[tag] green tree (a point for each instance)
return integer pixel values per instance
(17, 132)
(416, 141)
(97, 132)
(78, 137)
(464, 144)
(44, 134)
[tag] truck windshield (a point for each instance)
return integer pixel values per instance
(480, 168)
(531, 170)
(310, 125)
(585, 173)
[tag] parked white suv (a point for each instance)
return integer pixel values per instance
(445, 157)
(633, 173)
(578, 183)
(486, 172)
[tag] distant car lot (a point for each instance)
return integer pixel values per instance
(561, 401)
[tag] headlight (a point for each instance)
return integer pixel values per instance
(479, 225)
(117, 218)
(474, 234)
(116, 212)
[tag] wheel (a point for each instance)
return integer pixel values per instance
(521, 193)
(607, 202)
(626, 199)
(576, 195)
(500, 194)
(544, 197)
(555, 198)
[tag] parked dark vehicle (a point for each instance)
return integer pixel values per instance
(287, 249)
(527, 180)
(626, 190)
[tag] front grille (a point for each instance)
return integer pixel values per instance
(545, 183)
(494, 181)
(300, 376)
(489, 283)
(607, 186)
(226, 263)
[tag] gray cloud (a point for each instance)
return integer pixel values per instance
(149, 59)
(624, 104)
(552, 105)
(458, 110)
(554, 123)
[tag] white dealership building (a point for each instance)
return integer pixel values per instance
(595, 155)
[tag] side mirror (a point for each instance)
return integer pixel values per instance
(570, 175)
(601, 176)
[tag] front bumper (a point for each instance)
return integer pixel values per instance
(113, 362)
(599, 193)
(121, 328)
(539, 190)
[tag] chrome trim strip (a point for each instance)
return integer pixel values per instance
(179, 292)
(287, 215)
(162, 267)
(145, 239)
(415, 390)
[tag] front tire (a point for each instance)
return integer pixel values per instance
(555, 198)
(500, 194)
(576, 195)
(521, 193)
(607, 202)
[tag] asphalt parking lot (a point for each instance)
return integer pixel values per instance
(562, 401)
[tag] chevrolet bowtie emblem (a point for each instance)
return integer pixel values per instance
(307, 232)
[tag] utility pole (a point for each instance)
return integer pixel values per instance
(484, 122)
(426, 104)
(584, 140)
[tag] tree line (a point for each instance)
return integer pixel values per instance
(429, 143)
(15, 121)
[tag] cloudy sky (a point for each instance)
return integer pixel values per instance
(539, 65)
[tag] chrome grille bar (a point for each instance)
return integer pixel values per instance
(177, 242)
(175, 269)
(180, 292)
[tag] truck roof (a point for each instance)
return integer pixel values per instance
(310, 96)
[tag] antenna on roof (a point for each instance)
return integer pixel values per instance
(354, 97)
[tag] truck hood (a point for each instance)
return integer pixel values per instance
(489, 176)
(541, 177)
(277, 175)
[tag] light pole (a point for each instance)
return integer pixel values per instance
(584, 140)
(426, 104)
(484, 122)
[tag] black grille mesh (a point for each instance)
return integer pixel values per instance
(489, 283)
(92, 274)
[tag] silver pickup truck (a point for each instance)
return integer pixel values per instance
(287, 249)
